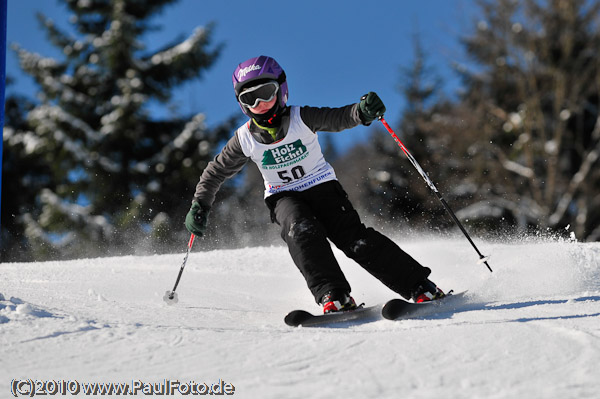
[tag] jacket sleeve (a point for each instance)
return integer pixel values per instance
(226, 164)
(330, 119)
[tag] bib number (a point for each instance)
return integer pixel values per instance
(297, 172)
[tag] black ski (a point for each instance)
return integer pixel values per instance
(303, 318)
(395, 309)
(398, 309)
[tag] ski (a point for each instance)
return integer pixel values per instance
(306, 319)
(398, 309)
(395, 309)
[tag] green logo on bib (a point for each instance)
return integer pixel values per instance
(285, 154)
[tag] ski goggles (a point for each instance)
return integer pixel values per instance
(263, 92)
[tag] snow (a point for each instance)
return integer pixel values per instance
(530, 329)
(170, 55)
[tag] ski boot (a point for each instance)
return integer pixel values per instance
(426, 291)
(337, 301)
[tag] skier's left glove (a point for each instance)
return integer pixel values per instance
(197, 218)
(370, 108)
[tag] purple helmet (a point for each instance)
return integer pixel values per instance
(258, 70)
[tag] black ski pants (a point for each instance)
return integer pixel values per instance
(309, 218)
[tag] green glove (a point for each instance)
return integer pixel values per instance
(370, 108)
(196, 218)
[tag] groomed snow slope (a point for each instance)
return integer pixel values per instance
(530, 329)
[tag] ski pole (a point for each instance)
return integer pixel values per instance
(171, 296)
(482, 258)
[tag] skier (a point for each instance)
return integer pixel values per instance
(301, 190)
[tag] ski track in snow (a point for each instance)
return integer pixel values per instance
(529, 329)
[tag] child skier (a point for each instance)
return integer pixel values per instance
(301, 189)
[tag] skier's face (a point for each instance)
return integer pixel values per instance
(263, 106)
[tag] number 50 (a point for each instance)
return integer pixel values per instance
(297, 173)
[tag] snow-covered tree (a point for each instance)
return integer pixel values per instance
(393, 188)
(24, 175)
(533, 94)
(121, 178)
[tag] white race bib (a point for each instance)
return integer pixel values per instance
(295, 163)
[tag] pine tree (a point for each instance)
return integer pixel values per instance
(533, 92)
(395, 190)
(122, 179)
(25, 172)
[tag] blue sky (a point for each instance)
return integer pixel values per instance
(333, 51)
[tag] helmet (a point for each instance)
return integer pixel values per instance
(258, 70)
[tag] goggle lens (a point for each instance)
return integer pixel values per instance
(263, 92)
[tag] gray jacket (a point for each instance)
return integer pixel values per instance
(231, 159)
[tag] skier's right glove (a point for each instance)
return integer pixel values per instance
(370, 108)
(196, 218)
